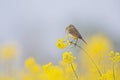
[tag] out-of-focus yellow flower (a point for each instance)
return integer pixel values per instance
(68, 57)
(46, 67)
(43, 76)
(114, 56)
(26, 76)
(107, 76)
(35, 68)
(32, 66)
(62, 44)
(98, 45)
(45, 72)
(111, 54)
(8, 51)
(30, 62)
(53, 72)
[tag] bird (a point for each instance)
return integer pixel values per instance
(74, 33)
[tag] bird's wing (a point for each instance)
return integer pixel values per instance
(75, 33)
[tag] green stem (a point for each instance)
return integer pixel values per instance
(90, 59)
(74, 71)
(114, 71)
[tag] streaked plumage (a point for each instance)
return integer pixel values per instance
(73, 32)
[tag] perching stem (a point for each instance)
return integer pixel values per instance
(89, 58)
(74, 71)
(113, 70)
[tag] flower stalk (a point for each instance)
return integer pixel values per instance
(74, 71)
(113, 71)
(89, 58)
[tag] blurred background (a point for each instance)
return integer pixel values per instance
(34, 25)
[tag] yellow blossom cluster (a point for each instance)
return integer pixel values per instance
(8, 51)
(68, 57)
(107, 76)
(62, 43)
(98, 45)
(92, 64)
(114, 56)
(46, 72)
(32, 66)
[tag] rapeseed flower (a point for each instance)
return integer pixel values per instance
(67, 70)
(98, 45)
(45, 72)
(30, 62)
(53, 72)
(68, 57)
(114, 56)
(62, 43)
(32, 66)
(107, 76)
(8, 51)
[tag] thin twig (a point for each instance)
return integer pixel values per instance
(89, 58)
(74, 71)
(114, 71)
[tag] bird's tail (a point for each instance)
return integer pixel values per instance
(84, 41)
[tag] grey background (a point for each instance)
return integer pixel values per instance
(35, 24)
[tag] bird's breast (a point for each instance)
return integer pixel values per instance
(72, 36)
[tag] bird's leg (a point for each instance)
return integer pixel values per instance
(72, 41)
(76, 42)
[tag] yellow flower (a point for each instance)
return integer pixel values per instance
(35, 68)
(26, 76)
(8, 51)
(68, 57)
(98, 45)
(53, 72)
(111, 53)
(107, 76)
(30, 62)
(62, 44)
(114, 56)
(43, 76)
(46, 67)
(32, 66)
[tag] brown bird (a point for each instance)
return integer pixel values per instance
(74, 33)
